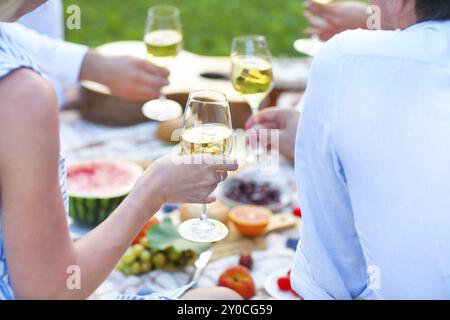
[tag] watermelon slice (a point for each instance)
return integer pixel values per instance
(97, 187)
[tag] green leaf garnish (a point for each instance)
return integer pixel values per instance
(165, 235)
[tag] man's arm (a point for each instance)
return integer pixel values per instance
(329, 19)
(329, 263)
(66, 64)
(59, 60)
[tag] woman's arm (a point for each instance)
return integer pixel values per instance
(37, 244)
(38, 247)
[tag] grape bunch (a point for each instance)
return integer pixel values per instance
(141, 258)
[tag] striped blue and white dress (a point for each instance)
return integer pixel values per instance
(13, 57)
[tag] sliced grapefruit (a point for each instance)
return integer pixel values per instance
(250, 221)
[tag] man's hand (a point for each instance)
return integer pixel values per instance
(327, 20)
(284, 119)
(127, 77)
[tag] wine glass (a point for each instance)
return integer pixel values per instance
(252, 76)
(164, 41)
(251, 71)
(207, 130)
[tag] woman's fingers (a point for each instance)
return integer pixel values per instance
(221, 176)
(315, 20)
(224, 164)
(318, 8)
(210, 200)
(270, 118)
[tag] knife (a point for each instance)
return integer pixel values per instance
(201, 263)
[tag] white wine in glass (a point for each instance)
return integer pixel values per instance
(207, 131)
(164, 41)
(212, 139)
(163, 46)
(251, 71)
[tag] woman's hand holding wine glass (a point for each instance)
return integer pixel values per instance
(190, 180)
(207, 132)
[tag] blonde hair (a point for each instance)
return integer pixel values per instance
(8, 8)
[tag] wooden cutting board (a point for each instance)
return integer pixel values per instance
(235, 244)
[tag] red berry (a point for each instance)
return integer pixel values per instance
(284, 283)
(297, 212)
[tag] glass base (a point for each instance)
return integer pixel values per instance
(198, 231)
(162, 110)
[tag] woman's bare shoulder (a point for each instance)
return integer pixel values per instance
(28, 117)
(25, 94)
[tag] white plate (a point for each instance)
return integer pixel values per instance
(276, 182)
(310, 46)
(271, 286)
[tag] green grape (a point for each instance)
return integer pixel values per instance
(146, 266)
(159, 260)
(170, 266)
(120, 266)
(173, 254)
(144, 242)
(137, 249)
(135, 268)
(129, 257)
(126, 271)
(189, 254)
(145, 256)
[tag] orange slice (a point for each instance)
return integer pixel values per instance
(251, 221)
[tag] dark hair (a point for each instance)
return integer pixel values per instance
(432, 10)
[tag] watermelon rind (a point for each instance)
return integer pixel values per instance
(89, 209)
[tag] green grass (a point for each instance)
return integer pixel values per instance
(209, 25)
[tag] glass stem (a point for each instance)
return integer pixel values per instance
(203, 216)
(255, 108)
(255, 149)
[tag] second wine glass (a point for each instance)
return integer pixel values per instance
(207, 130)
(251, 71)
(164, 41)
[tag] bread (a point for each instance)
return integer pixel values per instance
(166, 128)
(216, 211)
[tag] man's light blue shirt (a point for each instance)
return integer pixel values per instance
(373, 167)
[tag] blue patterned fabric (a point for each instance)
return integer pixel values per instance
(13, 57)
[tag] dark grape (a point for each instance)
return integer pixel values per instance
(250, 192)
